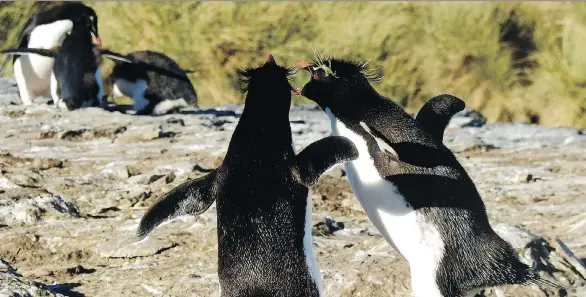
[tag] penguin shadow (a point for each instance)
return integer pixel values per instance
(209, 111)
(65, 289)
(129, 109)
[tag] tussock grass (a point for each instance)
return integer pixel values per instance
(512, 61)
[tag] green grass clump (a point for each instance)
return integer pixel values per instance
(512, 61)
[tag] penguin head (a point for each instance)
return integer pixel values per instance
(337, 83)
(267, 83)
(76, 12)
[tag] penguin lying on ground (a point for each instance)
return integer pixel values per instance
(76, 81)
(262, 196)
(412, 187)
(151, 92)
(45, 30)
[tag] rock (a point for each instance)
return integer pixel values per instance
(517, 236)
(138, 134)
(144, 179)
(337, 171)
(6, 183)
(46, 163)
(33, 210)
(524, 178)
(552, 259)
(129, 248)
(116, 171)
(79, 270)
(13, 284)
(467, 118)
(327, 227)
(169, 178)
(24, 178)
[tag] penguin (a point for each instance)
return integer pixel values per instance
(262, 194)
(45, 30)
(152, 93)
(412, 187)
(76, 80)
(435, 115)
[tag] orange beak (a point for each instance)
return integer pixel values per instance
(96, 40)
(304, 64)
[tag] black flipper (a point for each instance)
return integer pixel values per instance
(114, 56)
(166, 72)
(436, 113)
(30, 51)
(321, 155)
(388, 162)
(146, 66)
(192, 197)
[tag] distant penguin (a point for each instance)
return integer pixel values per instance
(45, 30)
(436, 113)
(412, 187)
(152, 93)
(262, 195)
(76, 80)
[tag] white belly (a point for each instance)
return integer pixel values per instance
(135, 90)
(404, 228)
(312, 264)
(35, 68)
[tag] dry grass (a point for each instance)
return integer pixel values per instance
(512, 61)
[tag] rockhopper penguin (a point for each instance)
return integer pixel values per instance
(76, 80)
(262, 195)
(152, 93)
(46, 30)
(412, 187)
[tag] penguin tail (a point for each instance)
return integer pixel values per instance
(543, 283)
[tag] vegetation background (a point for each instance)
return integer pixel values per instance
(512, 61)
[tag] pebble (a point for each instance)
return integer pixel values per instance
(116, 171)
(46, 163)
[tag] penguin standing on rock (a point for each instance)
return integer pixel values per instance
(412, 187)
(152, 93)
(76, 80)
(262, 195)
(46, 30)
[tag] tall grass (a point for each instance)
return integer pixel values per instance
(512, 61)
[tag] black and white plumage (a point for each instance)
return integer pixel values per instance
(46, 30)
(152, 93)
(76, 80)
(262, 196)
(435, 115)
(412, 187)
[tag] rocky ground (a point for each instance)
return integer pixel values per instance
(73, 187)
